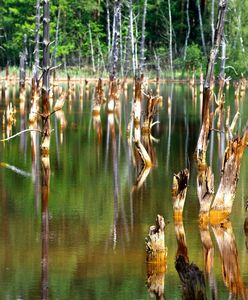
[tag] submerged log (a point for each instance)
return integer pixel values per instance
(229, 259)
(205, 191)
(225, 195)
(156, 251)
(179, 190)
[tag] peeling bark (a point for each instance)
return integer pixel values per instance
(225, 195)
(205, 190)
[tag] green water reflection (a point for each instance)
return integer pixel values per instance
(96, 222)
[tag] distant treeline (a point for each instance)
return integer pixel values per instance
(83, 32)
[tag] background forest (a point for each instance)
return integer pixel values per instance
(83, 32)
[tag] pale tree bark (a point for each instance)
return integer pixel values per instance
(130, 5)
(108, 29)
(188, 31)
(92, 50)
(142, 44)
(212, 20)
(170, 40)
(203, 139)
(56, 38)
(201, 28)
(37, 44)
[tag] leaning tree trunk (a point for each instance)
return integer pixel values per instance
(203, 139)
(179, 190)
(46, 131)
(142, 44)
(225, 195)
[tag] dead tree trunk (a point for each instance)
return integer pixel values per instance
(225, 195)
(188, 31)
(201, 27)
(155, 246)
(142, 44)
(108, 29)
(130, 5)
(92, 51)
(170, 40)
(151, 105)
(212, 20)
(56, 40)
(23, 62)
(203, 139)
(37, 46)
(46, 131)
(179, 190)
(115, 38)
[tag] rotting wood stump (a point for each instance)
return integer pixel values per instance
(179, 190)
(223, 201)
(156, 252)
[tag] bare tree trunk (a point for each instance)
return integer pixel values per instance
(225, 195)
(23, 62)
(37, 44)
(108, 29)
(115, 38)
(142, 44)
(203, 139)
(212, 21)
(130, 24)
(92, 50)
(170, 42)
(188, 31)
(56, 38)
(121, 45)
(45, 145)
(201, 28)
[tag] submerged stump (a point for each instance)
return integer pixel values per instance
(156, 252)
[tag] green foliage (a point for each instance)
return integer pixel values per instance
(194, 57)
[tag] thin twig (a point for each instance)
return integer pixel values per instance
(19, 133)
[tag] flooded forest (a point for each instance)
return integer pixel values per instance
(123, 161)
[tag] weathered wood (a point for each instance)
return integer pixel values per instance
(155, 280)
(225, 195)
(151, 105)
(179, 190)
(98, 98)
(203, 139)
(229, 259)
(155, 246)
(205, 190)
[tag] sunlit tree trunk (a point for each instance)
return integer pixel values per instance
(212, 20)
(130, 5)
(56, 38)
(92, 51)
(108, 28)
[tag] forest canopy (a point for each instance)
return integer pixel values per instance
(83, 21)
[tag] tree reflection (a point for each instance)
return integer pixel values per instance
(229, 259)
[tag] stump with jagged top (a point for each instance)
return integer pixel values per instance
(179, 190)
(155, 247)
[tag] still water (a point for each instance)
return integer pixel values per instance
(90, 243)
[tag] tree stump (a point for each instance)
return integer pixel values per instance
(179, 190)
